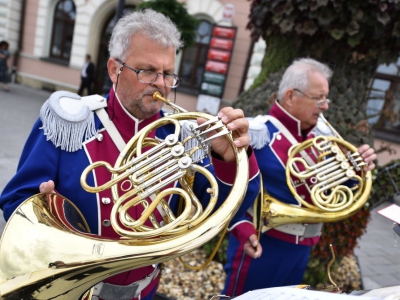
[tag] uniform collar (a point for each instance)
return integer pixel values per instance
(126, 124)
(290, 122)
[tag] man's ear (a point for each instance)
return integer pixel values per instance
(114, 68)
(289, 97)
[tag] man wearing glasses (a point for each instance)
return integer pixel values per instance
(281, 257)
(69, 136)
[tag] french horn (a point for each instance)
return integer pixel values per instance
(37, 260)
(331, 170)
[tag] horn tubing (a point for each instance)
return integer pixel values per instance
(276, 213)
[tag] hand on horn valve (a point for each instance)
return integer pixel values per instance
(235, 121)
(368, 155)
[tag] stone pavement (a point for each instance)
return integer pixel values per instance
(378, 252)
(19, 110)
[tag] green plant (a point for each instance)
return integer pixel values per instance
(209, 247)
(343, 244)
(386, 184)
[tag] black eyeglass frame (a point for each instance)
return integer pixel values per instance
(319, 102)
(138, 71)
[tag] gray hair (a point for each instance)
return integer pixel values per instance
(148, 22)
(296, 75)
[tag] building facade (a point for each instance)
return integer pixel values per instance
(49, 40)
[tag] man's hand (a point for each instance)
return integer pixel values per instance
(47, 187)
(368, 154)
(235, 121)
(252, 247)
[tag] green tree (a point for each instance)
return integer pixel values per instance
(353, 38)
(177, 12)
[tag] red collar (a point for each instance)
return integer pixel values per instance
(126, 124)
(290, 122)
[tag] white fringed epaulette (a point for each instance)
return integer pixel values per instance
(68, 119)
(258, 131)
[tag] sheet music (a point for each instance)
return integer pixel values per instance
(392, 212)
(392, 292)
(290, 293)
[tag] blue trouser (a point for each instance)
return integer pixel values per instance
(281, 264)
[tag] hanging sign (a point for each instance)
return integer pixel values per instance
(228, 12)
(217, 64)
(224, 32)
(220, 43)
(214, 54)
(217, 67)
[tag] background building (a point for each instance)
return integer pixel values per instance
(50, 38)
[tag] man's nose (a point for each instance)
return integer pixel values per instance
(323, 105)
(159, 82)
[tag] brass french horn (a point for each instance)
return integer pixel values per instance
(325, 165)
(46, 251)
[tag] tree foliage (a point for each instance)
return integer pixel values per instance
(353, 30)
(352, 37)
(177, 12)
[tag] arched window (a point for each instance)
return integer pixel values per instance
(63, 30)
(194, 59)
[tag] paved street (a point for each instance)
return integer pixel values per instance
(378, 252)
(19, 110)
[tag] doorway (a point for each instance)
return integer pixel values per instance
(102, 82)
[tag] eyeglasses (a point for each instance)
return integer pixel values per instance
(319, 101)
(147, 76)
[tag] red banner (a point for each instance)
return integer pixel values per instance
(217, 67)
(219, 55)
(224, 32)
(221, 44)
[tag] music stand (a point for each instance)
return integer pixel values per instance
(396, 228)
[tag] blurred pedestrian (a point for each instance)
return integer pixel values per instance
(87, 75)
(4, 55)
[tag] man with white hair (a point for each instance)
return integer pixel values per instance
(281, 257)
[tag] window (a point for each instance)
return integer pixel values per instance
(194, 59)
(63, 30)
(383, 106)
